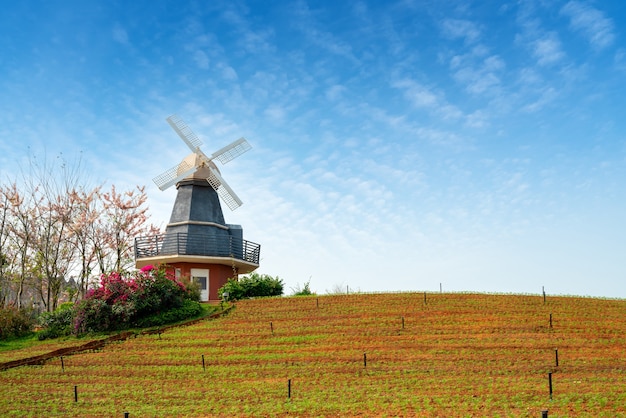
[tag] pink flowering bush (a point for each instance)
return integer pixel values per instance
(123, 300)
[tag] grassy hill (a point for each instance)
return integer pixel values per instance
(409, 354)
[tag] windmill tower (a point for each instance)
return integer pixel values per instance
(197, 242)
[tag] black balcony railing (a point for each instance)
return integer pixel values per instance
(197, 244)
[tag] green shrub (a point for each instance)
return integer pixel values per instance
(304, 291)
(57, 323)
(92, 315)
(233, 289)
(254, 285)
(44, 334)
(124, 301)
(147, 298)
(189, 309)
(157, 293)
(193, 289)
(15, 322)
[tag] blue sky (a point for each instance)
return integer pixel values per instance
(397, 145)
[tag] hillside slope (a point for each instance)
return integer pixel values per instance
(408, 354)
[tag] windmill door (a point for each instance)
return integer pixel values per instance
(201, 276)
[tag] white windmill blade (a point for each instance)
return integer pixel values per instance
(231, 151)
(223, 189)
(185, 133)
(175, 174)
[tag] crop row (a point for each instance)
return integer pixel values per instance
(396, 354)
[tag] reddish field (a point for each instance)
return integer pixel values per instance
(351, 355)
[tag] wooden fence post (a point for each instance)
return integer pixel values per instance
(556, 356)
(550, 384)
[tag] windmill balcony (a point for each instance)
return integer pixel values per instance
(203, 245)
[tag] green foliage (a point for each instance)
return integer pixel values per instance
(188, 309)
(57, 323)
(156, 294)
(304, 291)
(92, 315)
(65, 306)
(254, 285)
(233, 290)
(15, 322)
(193, 289)
(149, 297)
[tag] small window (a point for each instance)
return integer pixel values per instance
(202, 281)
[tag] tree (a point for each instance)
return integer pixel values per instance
(83, 231)
(4, 262)
(123, 217)
(54, 209)
(99, 226)
(20, 232)
(55, 230)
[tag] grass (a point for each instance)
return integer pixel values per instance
(29, 346)
(457, 355)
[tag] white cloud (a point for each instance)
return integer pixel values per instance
(529, 77)
(417, 94)
(477, 119)
(119, 34)
(335, 92)
(257, 41)
(477, 80)
(456, 28)
(275, 113)
(479, 76)
(547, 50)
(423, 97)
(228, 72)
(591, 22)
(544, 46)
(253, 41)
(201, 59)
(620, 59)
(305, 22)
(353, 177)
(546, 96)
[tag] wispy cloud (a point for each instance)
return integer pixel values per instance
(385, 136)
(591, 22)
(619, 59)
(427, 98)
(458, 28)
(479, 76)
(275, 113)
(119, 34)
(417, 94)
(544, 45)
(547, 49)
(250, 38)
(334, 92)
(201, 59)
(305, 21)
(473, 66)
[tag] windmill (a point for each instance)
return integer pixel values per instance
(198, 159)
(197, 241)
